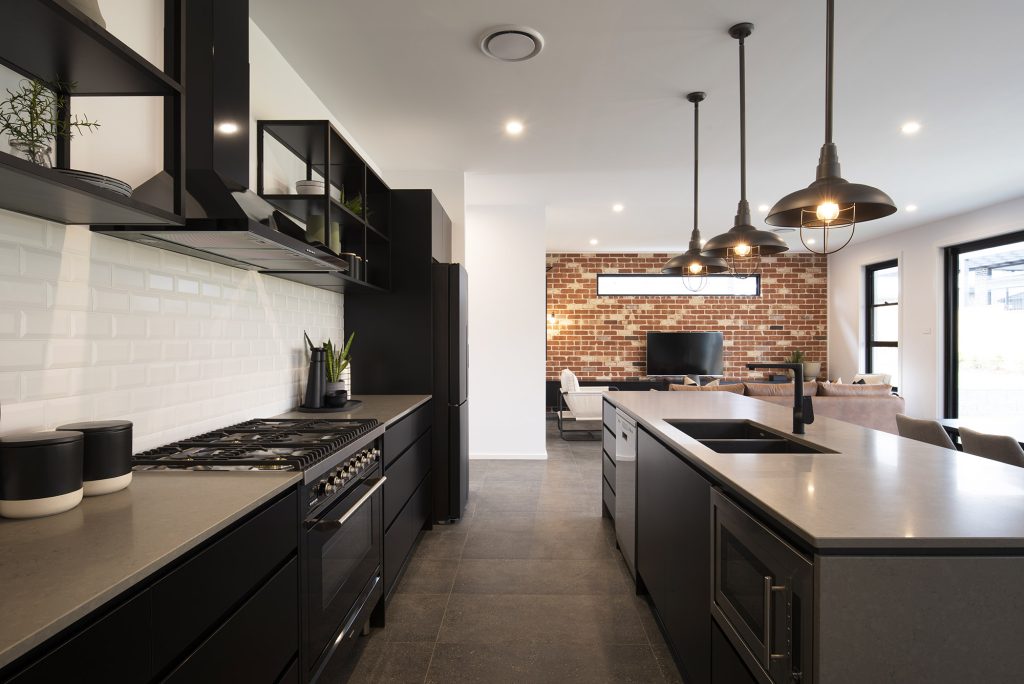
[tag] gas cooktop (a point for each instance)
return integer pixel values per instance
(261, 444)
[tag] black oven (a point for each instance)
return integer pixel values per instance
(762, 595)
(343, 560)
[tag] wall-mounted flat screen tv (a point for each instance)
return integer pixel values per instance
(684, 353)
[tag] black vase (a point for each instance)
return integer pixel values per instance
(317, 381)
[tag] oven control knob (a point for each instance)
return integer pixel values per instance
(374, 454)
(322, 488)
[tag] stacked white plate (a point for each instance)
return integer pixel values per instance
(100, 181)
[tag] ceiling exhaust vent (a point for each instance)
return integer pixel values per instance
(512, 43)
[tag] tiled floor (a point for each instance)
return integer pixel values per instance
(527, 588)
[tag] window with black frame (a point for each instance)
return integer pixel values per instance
(883, 319)
(984, 325)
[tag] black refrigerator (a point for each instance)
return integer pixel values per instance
(451, 401)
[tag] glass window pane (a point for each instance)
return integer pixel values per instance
(887, 285)
(641, 285)
(886, 360)
(991, 325)
(887, 324)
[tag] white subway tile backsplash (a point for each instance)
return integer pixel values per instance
(92, 327)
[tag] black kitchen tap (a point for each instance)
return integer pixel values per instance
(803, 409)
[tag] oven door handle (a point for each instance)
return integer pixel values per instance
(335, 524)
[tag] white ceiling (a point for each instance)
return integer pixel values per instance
(607, 120)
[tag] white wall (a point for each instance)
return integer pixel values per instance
(92, 327)
(505, 261)
(919, 251)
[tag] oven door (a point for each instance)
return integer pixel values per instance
(343, 545)
(762, 595)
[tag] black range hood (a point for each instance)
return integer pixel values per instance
(225, 222)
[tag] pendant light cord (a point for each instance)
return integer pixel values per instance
(743, 122)
(829, 50)
(696, 142)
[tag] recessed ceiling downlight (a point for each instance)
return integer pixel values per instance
(511, 43)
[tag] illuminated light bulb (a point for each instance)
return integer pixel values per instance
(827, 211)
(228, 127)
(742, 250)
(514, 127)
(617, 208)
(695, 268)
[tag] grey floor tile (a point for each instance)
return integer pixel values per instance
(539, 576)
(491, 618)
(414, 617)
(428, 576)
(444, 542)
(541, 663)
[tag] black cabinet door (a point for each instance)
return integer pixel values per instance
(726, 665)
(674, 551)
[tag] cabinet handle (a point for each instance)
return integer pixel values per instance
(768, 614)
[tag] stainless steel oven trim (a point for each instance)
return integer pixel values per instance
(337, 523)
(777, 555)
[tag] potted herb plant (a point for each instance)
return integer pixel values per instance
(811, 368)
(338, 361)
(29, 115)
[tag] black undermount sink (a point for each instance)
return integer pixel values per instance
(743, 437)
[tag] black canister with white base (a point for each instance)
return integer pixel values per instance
(40, 473)
(107, 461)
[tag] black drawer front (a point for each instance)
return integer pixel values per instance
(405, 474)
(114, 649)
(608, 470)
(256, 644)
(609, 416)
(399, 436)
(400, 538)
(608, 496)
(291, 675)
(608, 442)
(201, 592)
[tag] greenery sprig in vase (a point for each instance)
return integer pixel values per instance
(30, 116)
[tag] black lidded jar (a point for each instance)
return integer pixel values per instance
(107, 459)
(40, 473)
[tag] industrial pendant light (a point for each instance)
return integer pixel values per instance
(744, 245)
(830, 207)
(692, 265)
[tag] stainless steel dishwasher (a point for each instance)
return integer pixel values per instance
(625, 488)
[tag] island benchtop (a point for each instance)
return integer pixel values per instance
(879, 492)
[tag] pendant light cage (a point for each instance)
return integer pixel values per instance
(743, 245)
(830, 203)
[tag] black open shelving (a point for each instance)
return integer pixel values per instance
(52, 41)
(326, 155)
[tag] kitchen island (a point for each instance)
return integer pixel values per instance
(913, 553)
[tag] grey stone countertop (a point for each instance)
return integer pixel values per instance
(387, 408)
(878, 492)
(55, 570)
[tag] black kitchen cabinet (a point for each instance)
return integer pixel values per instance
(726, 665)
(674, 551)
(228, 611)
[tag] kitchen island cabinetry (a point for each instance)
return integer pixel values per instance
(673, 548)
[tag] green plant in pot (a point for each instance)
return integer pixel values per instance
(338, 361)
(30, 116)
(811, 368)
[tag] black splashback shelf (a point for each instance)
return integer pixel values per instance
(50, 41)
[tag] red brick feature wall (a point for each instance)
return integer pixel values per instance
(604, 338)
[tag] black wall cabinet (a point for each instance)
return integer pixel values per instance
(674, 551)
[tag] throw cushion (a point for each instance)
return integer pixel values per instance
(735, 389)
(834, 389)
(778, 389)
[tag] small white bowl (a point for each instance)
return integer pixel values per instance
(309, 187)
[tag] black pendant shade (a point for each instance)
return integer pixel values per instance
(692, 264)
(743, 245)
(830, 204)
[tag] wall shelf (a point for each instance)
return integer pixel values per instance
(322, 153)
(52, 41)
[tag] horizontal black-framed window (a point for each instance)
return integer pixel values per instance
(882, 324)
(984, 322)
(663, 285)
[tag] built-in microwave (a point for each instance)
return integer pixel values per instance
(762, 595)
